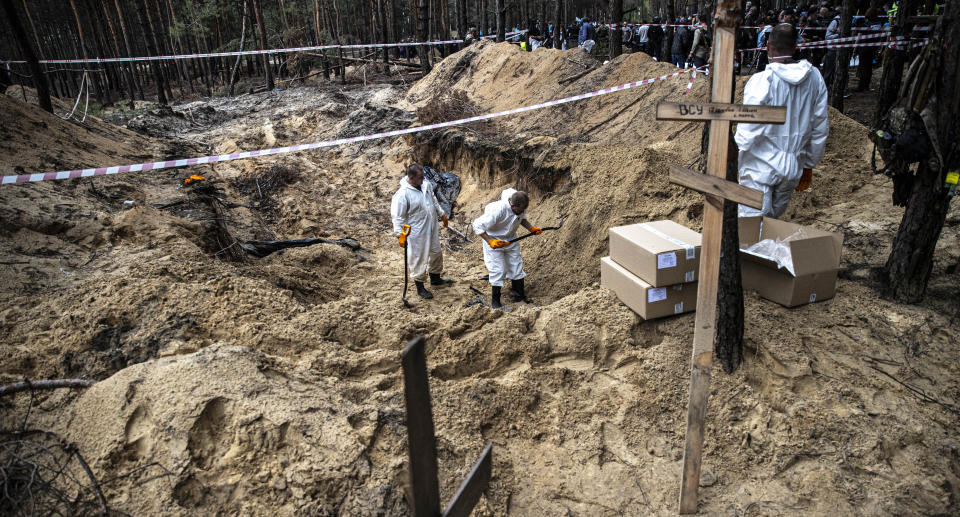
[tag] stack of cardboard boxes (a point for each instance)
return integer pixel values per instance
(653, 268)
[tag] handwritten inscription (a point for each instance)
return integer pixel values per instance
(712, 111)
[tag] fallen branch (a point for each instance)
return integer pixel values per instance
(50, 384)
(576, 76)
(615, 115)
(917, 391)
(93, 480)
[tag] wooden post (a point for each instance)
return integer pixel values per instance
(706, 318)
(469, 492)
(720, 113)
(424, 487)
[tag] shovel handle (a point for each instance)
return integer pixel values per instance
(511, 241)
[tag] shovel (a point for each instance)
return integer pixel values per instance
(403, 297)
(557, 227)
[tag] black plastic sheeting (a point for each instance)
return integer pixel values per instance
(448, 187)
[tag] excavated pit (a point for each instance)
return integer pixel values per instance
(272, 386)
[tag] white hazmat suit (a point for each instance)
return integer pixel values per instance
(499, 222)
(420, 209)
(773, 156)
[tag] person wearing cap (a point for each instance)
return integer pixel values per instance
(773, 157)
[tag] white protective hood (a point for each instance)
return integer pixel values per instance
(774, 153)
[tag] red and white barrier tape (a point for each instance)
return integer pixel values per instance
(891, 44)
(860, 37)
(248, 52)
(169, 164)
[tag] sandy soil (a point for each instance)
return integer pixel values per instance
(272, 386)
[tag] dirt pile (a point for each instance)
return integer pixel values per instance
(272, 386)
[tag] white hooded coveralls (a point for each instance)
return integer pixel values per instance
(420, 209)
(499, 222)
(773, 156)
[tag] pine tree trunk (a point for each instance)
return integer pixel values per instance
(125, 69)
(184, 67)
(384, 33)
(243, 34)
(910, 264)
(102, 80)
(423, 24)
(893, 62)
(669, 32)
(557, 25)
(39, 78)
(616, 16)
(484, 19)
(839, 87)
(129, 49)
(729, 339)
(151, 50)
(462, 18)
(268, 72)
(501, 21)
(83, 52)
(730, 311)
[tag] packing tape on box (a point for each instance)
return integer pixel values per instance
(690, 250)
(184, 162)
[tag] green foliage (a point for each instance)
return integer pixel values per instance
(194, 17)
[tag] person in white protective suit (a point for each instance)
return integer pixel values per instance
(496, 227)
(416, 204)
(773, 157)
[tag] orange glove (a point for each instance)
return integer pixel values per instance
(497, 243)
(446, 222)
(805, 180)
(536, 231)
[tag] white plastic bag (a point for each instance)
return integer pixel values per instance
(777, 250)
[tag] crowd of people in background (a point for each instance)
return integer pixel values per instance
(692, 38)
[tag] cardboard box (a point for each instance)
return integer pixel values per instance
(662, 253)
(646, 300)
(816, 261)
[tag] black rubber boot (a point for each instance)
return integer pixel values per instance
(436, 280)
(516, 286)
(495, 300)
(422, 291)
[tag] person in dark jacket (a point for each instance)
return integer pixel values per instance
(655, 38)
(867, 54)
(682, 40)
(587, 32)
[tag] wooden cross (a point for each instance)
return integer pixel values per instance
(717, 189)
(424, 487)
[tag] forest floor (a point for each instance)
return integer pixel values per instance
(272, 386)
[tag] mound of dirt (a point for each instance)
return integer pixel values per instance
(272, 386)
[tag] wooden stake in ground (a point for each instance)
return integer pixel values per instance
(717, 188)
(424, 486)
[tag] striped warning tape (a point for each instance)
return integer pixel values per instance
(169, 164)
(860, 37)
(248, 52)
(891, 44)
